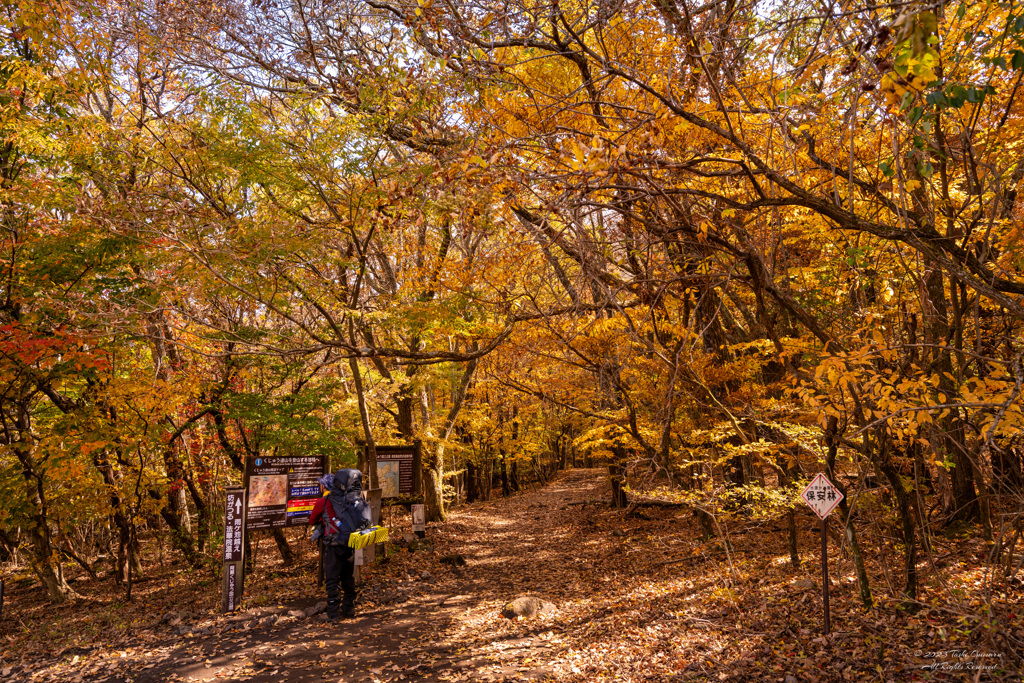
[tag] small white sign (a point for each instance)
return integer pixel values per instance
(419, 517)
(822, 496)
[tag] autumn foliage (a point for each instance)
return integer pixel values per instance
(716, 247)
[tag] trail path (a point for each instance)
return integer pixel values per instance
(639, 598)
(444, 626)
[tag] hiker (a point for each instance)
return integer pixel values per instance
(335, 516)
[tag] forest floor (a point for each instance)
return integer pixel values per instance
(637, 597)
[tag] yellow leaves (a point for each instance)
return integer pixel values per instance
(793, 96)
(88, 447)
(579, 156)
(916, 29)
(473, 165)
(893, 91)
(921, 69)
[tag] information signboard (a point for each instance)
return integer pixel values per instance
(396, 470)
(282, 489)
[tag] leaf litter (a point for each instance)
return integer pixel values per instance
(637, 598)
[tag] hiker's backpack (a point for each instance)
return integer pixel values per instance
(338, 525)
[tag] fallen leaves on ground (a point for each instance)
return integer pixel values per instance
(638, 598)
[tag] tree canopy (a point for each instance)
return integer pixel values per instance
(717, 247)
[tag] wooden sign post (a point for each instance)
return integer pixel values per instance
(373, 499)
(234, 549)
(823, 497)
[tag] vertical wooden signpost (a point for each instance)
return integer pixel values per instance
(234, 549)
(279, 492)
(823, 497)
(399, 468)
(373, 499)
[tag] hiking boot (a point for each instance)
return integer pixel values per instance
(332, 610)
(348, 612)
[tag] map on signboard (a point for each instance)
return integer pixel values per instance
(282, 489)
(822, 496)
(388, 477)
(403, 460)
(268, 490)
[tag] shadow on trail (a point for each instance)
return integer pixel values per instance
(378, 644)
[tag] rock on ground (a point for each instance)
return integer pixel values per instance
(525, 606)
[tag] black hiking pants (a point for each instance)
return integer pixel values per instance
(340, 568)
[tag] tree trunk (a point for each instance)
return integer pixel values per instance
(707, 524)
(49, 572)
(364, 418)
(949, 430)
(961, 475)
(505, 490)
(43, 557)
(787, 473)
(406, 404)
(433, 492)
(883, 462)
(433, 495)
(617, 478)
(832, 441)
(472, 482)
(287, 556)
(794, 552)
(181, 539)
(101, 460)
(488, 479)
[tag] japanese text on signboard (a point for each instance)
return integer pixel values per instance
(282, 489)
(233, 530)
(822, 496)
(395, 470)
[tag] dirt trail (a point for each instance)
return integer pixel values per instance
(418, 619)
(639, 598)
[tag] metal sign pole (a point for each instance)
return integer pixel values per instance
(823, 497)
(824, 572)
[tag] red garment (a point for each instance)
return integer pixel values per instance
(319, 508)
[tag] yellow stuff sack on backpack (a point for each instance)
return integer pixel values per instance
(361, 539)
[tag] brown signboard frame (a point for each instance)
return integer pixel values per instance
(287, 488)
(408, 458)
